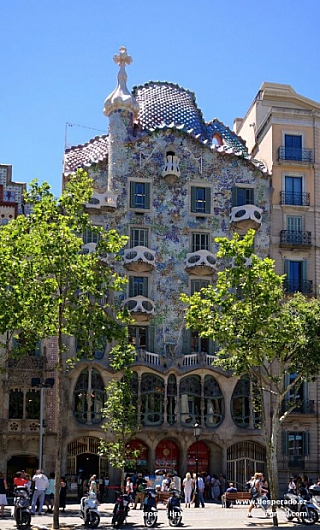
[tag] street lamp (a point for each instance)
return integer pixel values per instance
(196, 433)
(48, 383)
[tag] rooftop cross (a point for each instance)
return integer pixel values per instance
(122, 58)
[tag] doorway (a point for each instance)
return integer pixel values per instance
(88, 464)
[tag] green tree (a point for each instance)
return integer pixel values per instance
(260, 332)
(120, 413)
(50, 288)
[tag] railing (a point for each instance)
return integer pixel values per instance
(295, 237)
(295, 198)
(294, 286)
(190, 360)
(152, 358)
(306, 406)
(295, 153)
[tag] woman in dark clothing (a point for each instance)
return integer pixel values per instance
(63, 493)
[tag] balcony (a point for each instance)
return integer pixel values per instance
(246, 216)
(171, 171)
(200, 263)
(307, 406)
(295, 154)
(140, 308)
(302, 286)
(294, 198)
(139, 259)
(106, 201)
(295, 238)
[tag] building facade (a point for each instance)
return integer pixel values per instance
(282, 129)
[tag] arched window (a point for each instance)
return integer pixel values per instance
(16, 404)
(244, 459)
(172, 399)
(89, 397)
(190, 400)
(245, 404)
(213, 402)
(152, 395)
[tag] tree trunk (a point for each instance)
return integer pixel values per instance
(59, 370)
(272, 461)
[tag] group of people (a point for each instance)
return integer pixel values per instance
(93, 484)
(300, 485)
(40, 487)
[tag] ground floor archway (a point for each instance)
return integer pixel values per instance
(16, 463)
(201, 451)
(138, 461)
(243, 460)
(167, 456)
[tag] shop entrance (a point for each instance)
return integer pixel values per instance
(88, 465)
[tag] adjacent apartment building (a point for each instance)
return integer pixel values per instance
(282, 129)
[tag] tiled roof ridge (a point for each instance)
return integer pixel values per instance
(216, 120)
(86, 144)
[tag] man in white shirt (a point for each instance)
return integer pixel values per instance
(40, 484)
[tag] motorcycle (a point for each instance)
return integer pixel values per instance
(302, 509)
(21, 511)
(89, 510)
(314, 492)
(150, 512)
(174, 510)
(121, 509)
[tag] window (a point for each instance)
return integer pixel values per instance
(152, 399)
(89, 397)
(293, 190)
(190, 400)
(89, 236)
(33, 405)
(245, 404)
(26, 344)
(200, 200)
(199, 344)
(140, 195)
(138, 336)
(24, 405)
(294, 223)
(139, 237)
(172, 399)
(138, 286)
(296, 276)
(199, 241)
(293, 146)
(242, 196)
(296, 444)
(16, 404)
(197, 285)
(213, 401)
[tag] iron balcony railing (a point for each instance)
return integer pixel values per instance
(295, 237)
(295, 198)
(294, 286)
(295, 153)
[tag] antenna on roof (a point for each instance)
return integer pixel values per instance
(68, 124)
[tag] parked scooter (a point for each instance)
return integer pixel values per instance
(21, 511)
(174, 510)
(296, 507)
(150, 512)
(89, 510)
(121, 509)
(314, 492)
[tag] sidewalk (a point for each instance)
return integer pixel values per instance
(213, 516)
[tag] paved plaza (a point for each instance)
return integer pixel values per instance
(213, 516)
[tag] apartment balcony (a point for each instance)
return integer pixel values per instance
(106, 201)
(200, 263)
(302, 286)
(171, 172)
(307, 406)
(295, 155)
(139, 259)
(141, 308)
(294, 198)
(246, 216)
(295, 239)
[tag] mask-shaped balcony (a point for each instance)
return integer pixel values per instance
(171, 171)
(246, 216)
(140, 308)
(200, 263)
(106, 201)
(139, 259)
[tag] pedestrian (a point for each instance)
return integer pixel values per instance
(215, 488)
(93, 484)
(188, 488)
(200, 485)
(129, 489)
(3, 492)
(101, 488)
(230, 489)
(223, 485)
(207, 486)
(19, 480)
(63, 493)
(49, 493)
(292, 486)
(40, 484)
(255, 491)
(140, 491)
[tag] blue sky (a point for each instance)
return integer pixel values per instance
(57, 68)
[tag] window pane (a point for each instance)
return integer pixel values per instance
(139, 237)
(138, 286)
(16, 404)
(197, 285)
(200, 242)
(33, 405)
(200, 199)
(139, 195)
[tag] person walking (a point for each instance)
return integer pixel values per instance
(49, 493)
(215, 488)
(188, 488)
(3, 491)
(93, 484)
(200, 484)
(63, 493)
(255, 491)
(140, 491)
(40, 484)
